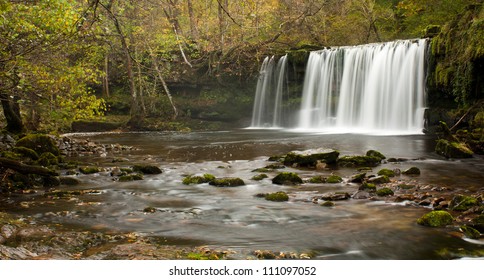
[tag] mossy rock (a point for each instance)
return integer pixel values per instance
(450, 149)
(147, 169)
(227, 182)
(437, 218)
(26, 152)
(277, 196)
(287, 178)
(131, 177)
(383, 179)
(317, 180)
(48, 159)
(470, 232)
(367, 187)
(197, 180)
(376, 154)
(384, 192)
(463, 203)
(149, 209)
(358, 178)
(311, 158)
(39, 143)
(478, 223)
(328, 204)
(359, 161)
(412, 171)
(89, 169)
(386, 172)
(259, 177)
(50, 181)
(69, 181)
(334, 179)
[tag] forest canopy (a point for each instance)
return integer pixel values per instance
(60, 60)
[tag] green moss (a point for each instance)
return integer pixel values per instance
(48, 159)
(368, 187)
(386, 172)
(334, 179)
(317, 180)
(383, 179)
(470, 232)
(328, 204)
(259, 177)
(147, 169)
(131, 177)
(377, 154)
(436, 219)
(26, 152)
(89, 169)
(277, 196)
(39, 143)
(11, 155)
(412, 171)
(453, 149)
(285, 178)
(359, 161)
(463, 203)
(384, 192)
(227, 182)
(196, 180)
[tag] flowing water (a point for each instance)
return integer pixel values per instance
(232, 218)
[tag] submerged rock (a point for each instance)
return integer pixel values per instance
(259, 177)
(311, 158)
(227, 182)
(131, 177)
(287, 178)
(436, 219)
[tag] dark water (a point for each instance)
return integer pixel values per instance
(233, 218)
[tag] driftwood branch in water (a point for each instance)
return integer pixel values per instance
(26, 169)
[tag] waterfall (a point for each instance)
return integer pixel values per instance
(371, 89)
(271, 86)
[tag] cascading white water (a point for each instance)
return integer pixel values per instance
(267, 111)
(374, 89)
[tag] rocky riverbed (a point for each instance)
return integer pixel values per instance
(22, 237)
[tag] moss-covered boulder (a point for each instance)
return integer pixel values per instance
(227, 182)
(287, 178)
(384, 192)
(26, 152)
(196, 180)
(89, 169)
(328, 204)
(147, 169)
(463, 203)
(470, 232)
(48, 159)
(358, 178)
(359, 161)
(383, 179)
(311, 158)
(131, 177)
(39, 143)
(317, 180)
(376, 154)
(277, 196)
(478, 223)
(412, 171)
(334, 179)
(259, 177)
(369, 187)
(450, 149)
(386, 172)
(436, 219)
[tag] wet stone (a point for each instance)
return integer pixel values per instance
(8, 231)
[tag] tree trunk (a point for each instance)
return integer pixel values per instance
(193, 23)
(11, 111)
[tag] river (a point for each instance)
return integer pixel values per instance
(234, 219)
